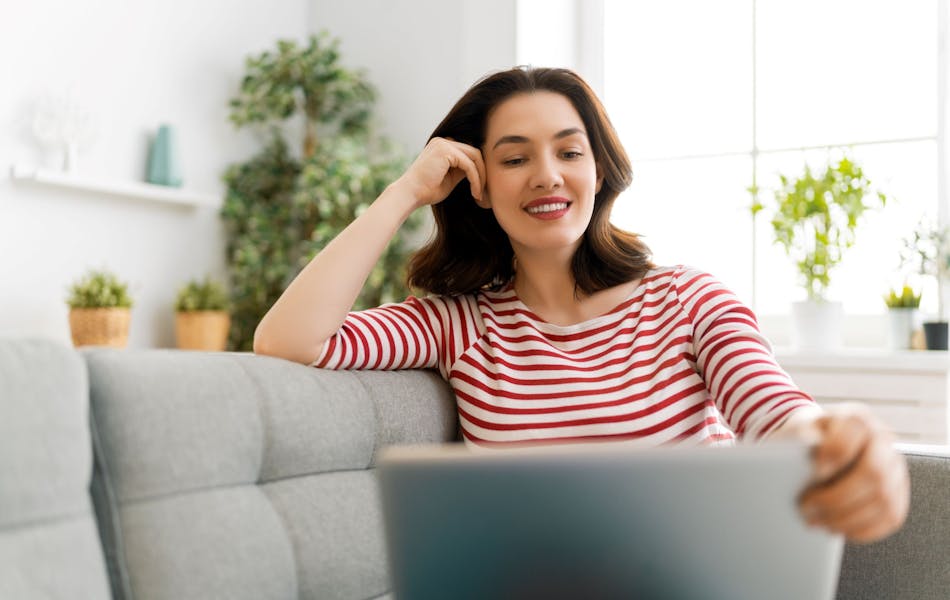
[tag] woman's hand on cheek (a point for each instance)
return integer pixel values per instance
(441, 165)
(861, 487)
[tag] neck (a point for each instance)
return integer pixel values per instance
(544, 280)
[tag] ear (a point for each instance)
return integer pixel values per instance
(600, 180)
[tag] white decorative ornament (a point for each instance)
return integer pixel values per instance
(61, 122)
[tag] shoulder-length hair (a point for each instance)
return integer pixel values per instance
(470, 251)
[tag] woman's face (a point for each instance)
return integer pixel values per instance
(540, 172)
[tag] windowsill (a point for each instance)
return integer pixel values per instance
(876, 360)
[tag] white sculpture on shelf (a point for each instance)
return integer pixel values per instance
(62, 123)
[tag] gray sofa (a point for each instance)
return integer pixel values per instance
(173, 475)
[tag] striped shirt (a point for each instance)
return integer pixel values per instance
(680, 360)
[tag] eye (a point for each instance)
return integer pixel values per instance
(513, 162)
(571, 154)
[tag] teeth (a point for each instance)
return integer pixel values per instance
(543, 208)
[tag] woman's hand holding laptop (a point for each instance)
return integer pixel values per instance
(861, 487)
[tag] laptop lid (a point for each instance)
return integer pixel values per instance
(611, 522)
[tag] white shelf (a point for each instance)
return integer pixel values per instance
(125, 189)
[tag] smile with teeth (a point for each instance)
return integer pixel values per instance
(546, 208)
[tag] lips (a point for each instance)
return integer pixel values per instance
(549, 207)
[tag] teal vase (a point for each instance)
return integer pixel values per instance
(163, 165)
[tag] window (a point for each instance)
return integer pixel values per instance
(710, 97)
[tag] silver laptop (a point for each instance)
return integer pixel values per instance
(605, 522)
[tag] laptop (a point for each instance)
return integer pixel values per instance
(603, 522)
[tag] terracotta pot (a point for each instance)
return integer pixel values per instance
(100, 326)
(202, 330)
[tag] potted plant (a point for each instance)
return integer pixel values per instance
(307, 183)
(814, 218)
(201, 316)
(927, 251)
(902, 305)
(99, 310)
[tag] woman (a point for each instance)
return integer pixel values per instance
(553, 325)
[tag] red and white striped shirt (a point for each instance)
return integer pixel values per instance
(680, 360)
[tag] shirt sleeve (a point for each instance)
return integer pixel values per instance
(753, 393)
(420, 333)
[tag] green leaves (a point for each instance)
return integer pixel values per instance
(927, 250)
(201, 295)
(99, 289)
(305, 80)
(815, 217)
(281, 210)
(904, 297)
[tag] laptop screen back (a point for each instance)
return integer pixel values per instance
(606, 523)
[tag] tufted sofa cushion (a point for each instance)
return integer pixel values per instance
(239, 476)
(49, 546)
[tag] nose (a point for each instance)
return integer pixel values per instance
(546, 174)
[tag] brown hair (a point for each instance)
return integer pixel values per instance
(470, 250)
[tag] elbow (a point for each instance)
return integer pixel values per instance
(265, 344)
(262, 344)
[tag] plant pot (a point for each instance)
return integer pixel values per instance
(100, 326)
(901, 323)
(202, 330)
(936, 334)
(816, 326)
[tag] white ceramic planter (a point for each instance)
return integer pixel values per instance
(816, 326)
(901, 325)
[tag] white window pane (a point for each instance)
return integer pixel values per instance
(907, 173)
(844, 71)
(694, 212)
(678, 75)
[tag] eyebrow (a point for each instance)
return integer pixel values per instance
(520, 139)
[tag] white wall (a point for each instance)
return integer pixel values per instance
(421, 54)
(134, 65)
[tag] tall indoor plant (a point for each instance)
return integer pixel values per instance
(319, 168)
(814, 218)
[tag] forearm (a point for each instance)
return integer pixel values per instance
(314, 305)
(799, 425)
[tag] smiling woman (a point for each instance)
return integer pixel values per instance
(552, 325)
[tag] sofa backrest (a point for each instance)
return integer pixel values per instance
(239, 476)
(49, 545)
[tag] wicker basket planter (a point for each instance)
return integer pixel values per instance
(100, 326)
(202, 329)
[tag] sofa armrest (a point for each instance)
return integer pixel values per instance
(912, 563)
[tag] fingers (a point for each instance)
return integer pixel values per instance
(461, 160)
(475, 158)
(843, 435)
(862, 488)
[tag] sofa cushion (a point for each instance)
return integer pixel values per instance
(49, 546)
(242, 476)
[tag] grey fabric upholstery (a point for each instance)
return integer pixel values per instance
(238, 476)
(913, 564)
(49, 546)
